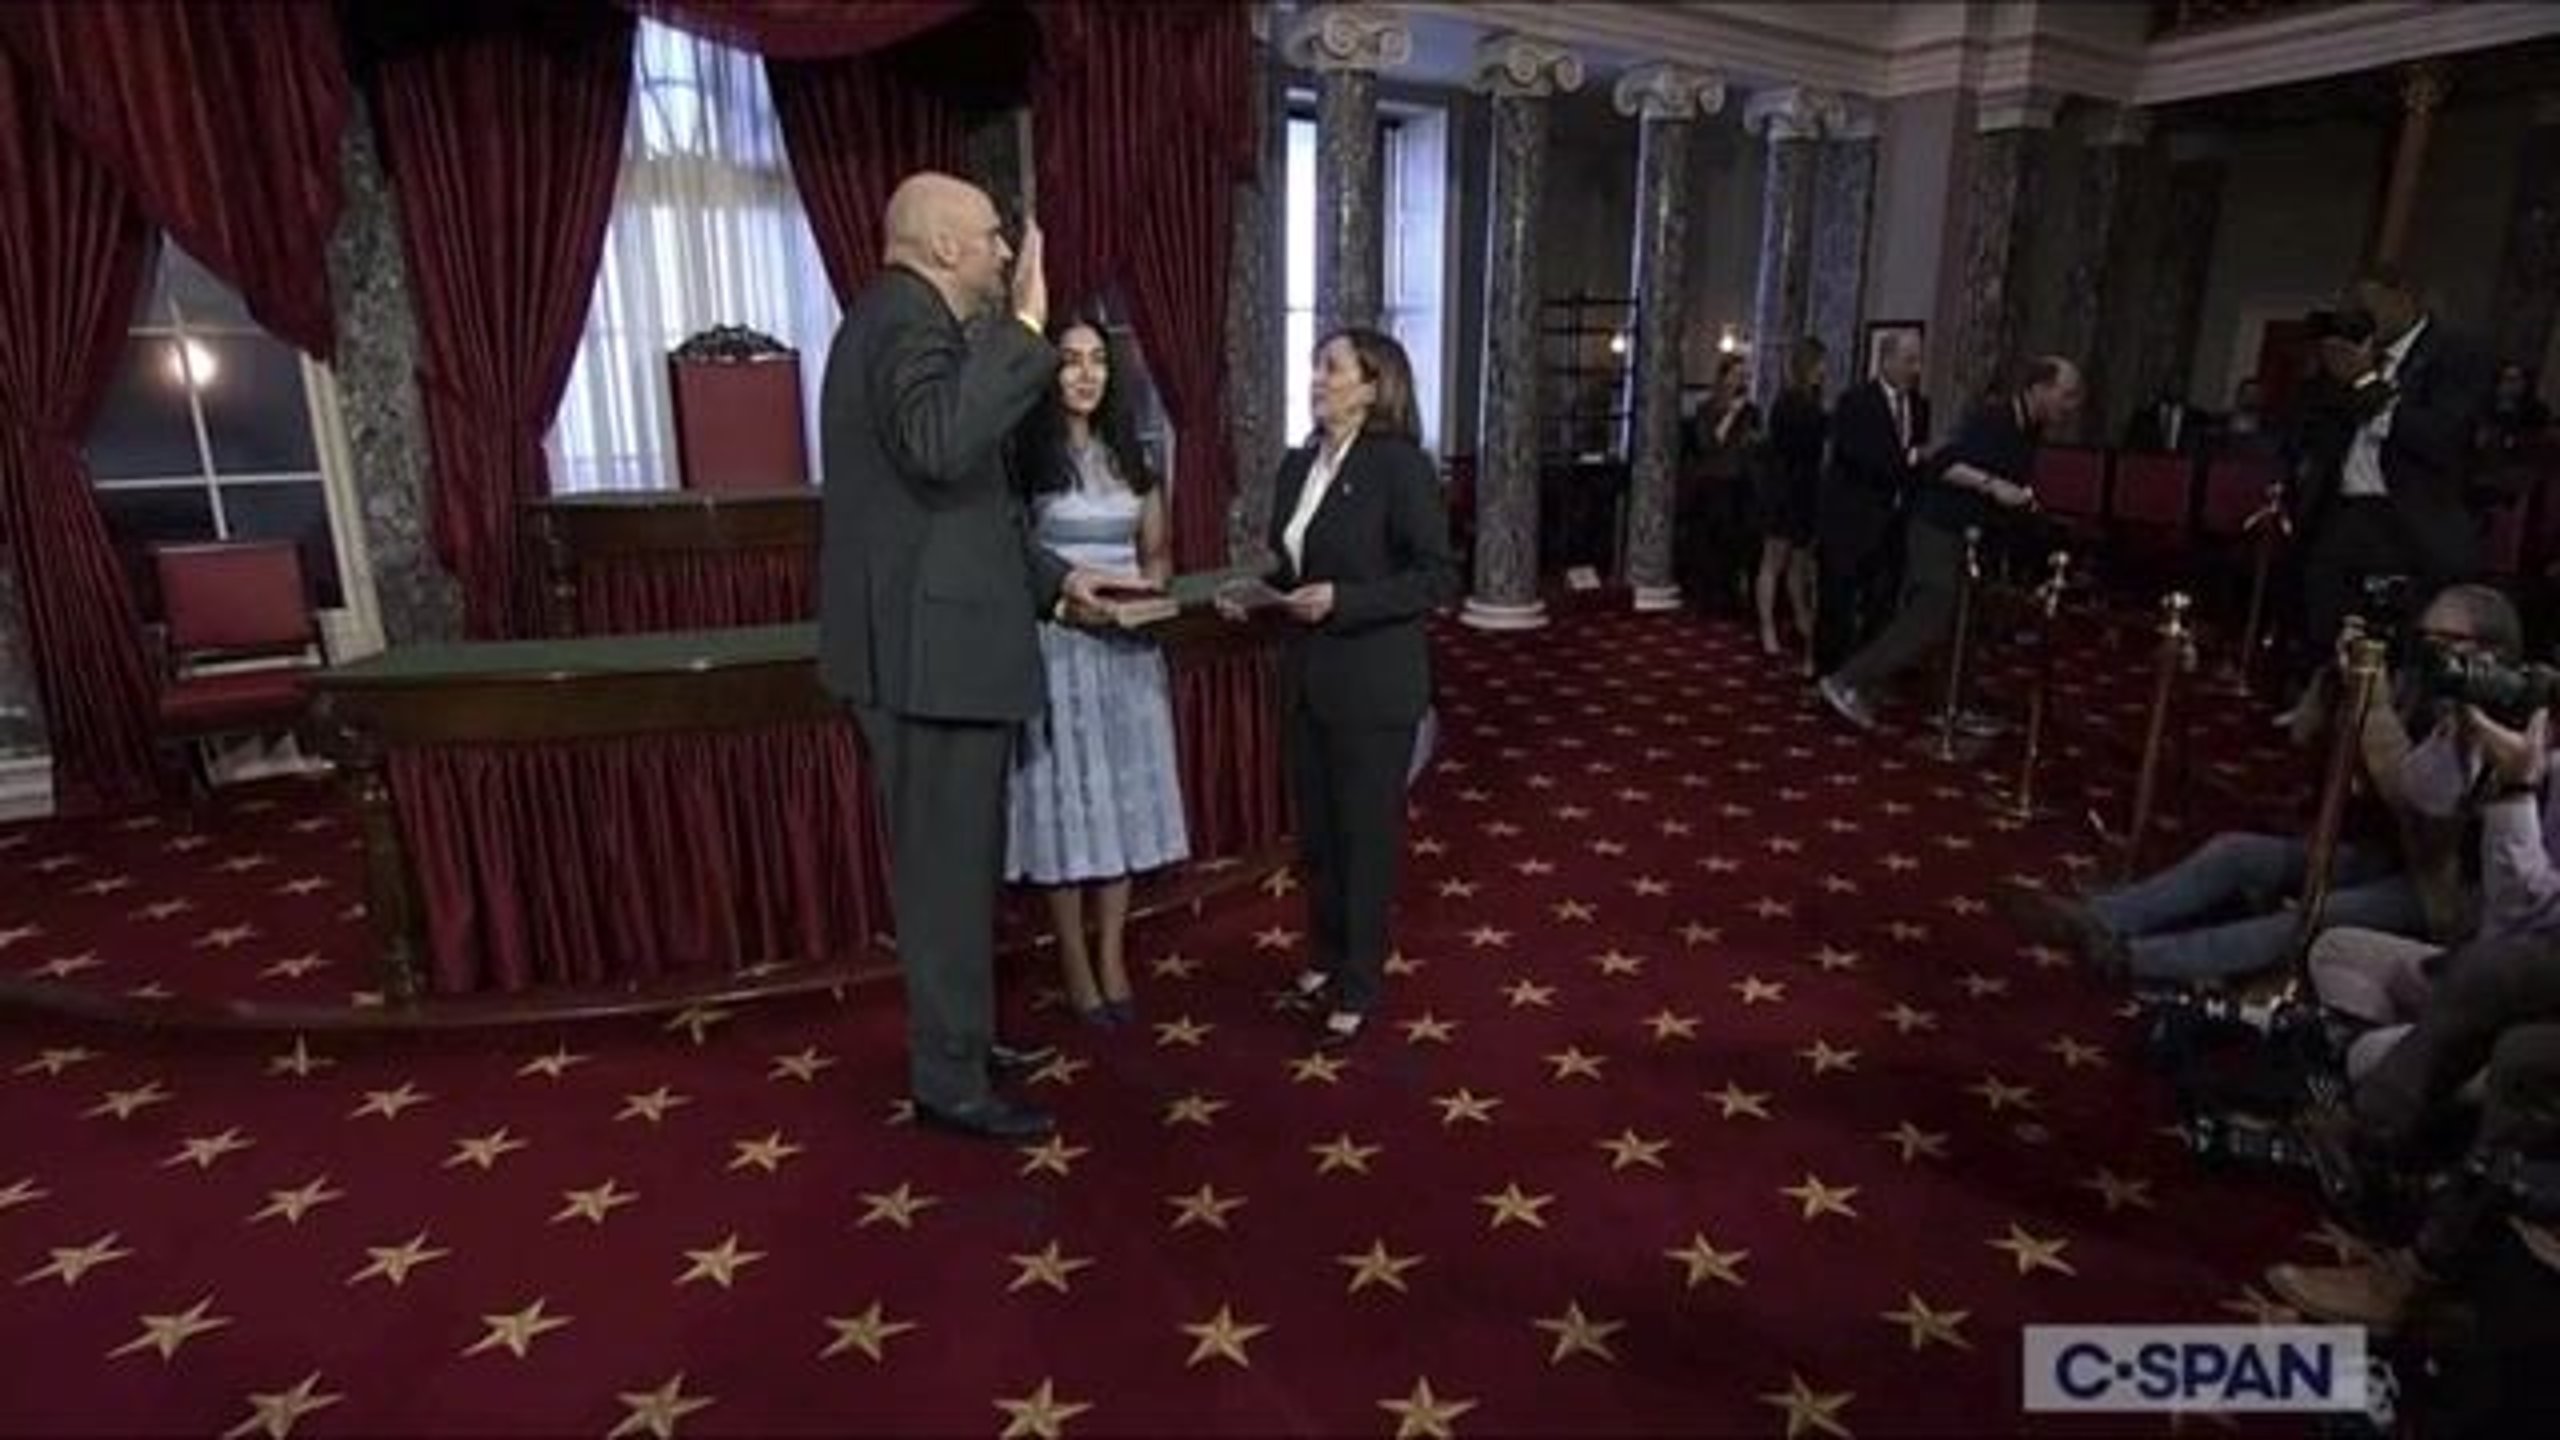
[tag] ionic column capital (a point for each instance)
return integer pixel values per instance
(1792, 113)
(1663, 90)
(1525, 66)
(1349, 37)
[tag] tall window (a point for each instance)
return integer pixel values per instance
(1414, 152)
(208, 431)
(707, 230)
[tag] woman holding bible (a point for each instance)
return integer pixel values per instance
(1362, 536)
(1095, 796)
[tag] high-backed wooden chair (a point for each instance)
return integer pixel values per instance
(740, 424)
(225, 606)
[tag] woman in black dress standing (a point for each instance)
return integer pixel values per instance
(1724, 437)
(1798, 429)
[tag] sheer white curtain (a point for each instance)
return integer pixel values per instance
(707, 230)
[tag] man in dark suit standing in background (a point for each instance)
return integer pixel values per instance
(2168, 425)
(1879, 430)
(930, 592)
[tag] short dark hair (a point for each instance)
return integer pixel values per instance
(1804, 363)
(2042, 370)
(1383, 364)
(2389, 275)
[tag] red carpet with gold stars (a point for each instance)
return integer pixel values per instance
(1711, 1098)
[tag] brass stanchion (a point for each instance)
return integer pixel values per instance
(2172, 658)
(2366, 656)
(2271, 527)
(2021, 805)
(1946, 745)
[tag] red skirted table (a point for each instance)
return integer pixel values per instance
(683, 812)
(627, 562)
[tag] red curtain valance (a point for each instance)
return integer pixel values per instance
(222, 121)
(803, 29)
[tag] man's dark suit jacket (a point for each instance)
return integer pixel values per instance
(1870, 474)
(2445, 383)
(1381, 537)
(2147, 433)
(930, 586)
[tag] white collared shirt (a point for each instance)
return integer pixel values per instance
(1320, 473)
(2363, 472)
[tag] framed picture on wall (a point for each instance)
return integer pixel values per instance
(1880, 331)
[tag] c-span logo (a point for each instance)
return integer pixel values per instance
(2267, 1368)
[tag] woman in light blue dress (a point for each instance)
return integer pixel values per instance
(1095, 797)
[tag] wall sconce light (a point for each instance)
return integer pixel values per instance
(1729, 341)
(192, 365)
(1618, 343)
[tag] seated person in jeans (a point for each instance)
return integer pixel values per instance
(2157, 929)
(2382, 980)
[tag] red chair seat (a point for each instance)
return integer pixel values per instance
(235, 700)
(2071, 484)
(2235, 488)
(2153, 491)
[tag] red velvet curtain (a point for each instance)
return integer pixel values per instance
(71, 254)
(503, 148)
(854, 127)
(1226, 727)
(803, 29)
(1144, 117)
(223, 123)
(697, 590)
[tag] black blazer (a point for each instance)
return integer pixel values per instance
(1870, 473)
(929, 583)
(2445, 385)
(2148, 432)
(1380, 535)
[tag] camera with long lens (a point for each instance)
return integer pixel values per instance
(2384, 609)
(2506, 693)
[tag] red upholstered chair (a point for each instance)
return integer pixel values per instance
(738, 413)
(223, 605)
(2071, 485)
(2235, 488)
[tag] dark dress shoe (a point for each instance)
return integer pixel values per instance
(994, 1118)
(1005, 1059)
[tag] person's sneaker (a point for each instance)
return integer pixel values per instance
(1846, 702)
(2375, 1295)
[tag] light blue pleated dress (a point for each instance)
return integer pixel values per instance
(1095, 794)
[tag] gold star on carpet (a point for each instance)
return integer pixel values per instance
(389, 1103)
(483, 1150)
(1978, 986)
(655, 1413)
(518, 1331)
(2261, 1308)
(1904, 1019)
(2000, 1096)
(1667, 1025)
(21, 1191)
(1173, 967)
(1524, 992)
(2075, 1053)
(1203, 1206)
(595, 1204)
(1040, 1415)
(1705, 1262)
(1053, 1155)
(1579, 1334)
(1376, 1266)
(298, 1062)
(1914, 1142)
(1430, 1028)
(291, 1205)
(1513, 1206)
(15, 933)
(1809, 1410)
(1457, 890)
(1318, 1066)
(1343, 1153)
(1399, 963)
(225, 937)
(393, 1263)
(1617, 962)
(803, 1067)
(1183, 1031)
(1649, 885)
(1733, 1100)
(165, 1333)
(1694, 933)
(125, 1104)
(1926, 1325)
(1488, 937)
(1819, 1199)
(202, 1150)
(1824, 1059)
(766, 1154)
(63, 967)
(720, 1264)
(1221, 1337)
(1630, 1148)
(1062, 1069)
(1465, 1104)
(898, 1207)
(1573, 910)
(1423, 1415)
(1756, 991)
(274, 1416)
(1195, 1109)
(1276, 937)
(69, 1264)
(696, 1021)
(153, 991)
(1048, 1266)
(651, 1105)
(1571, 1062)
(2033, 1252)
(868, 1332)
(55, 1061)
(2119, 1191)
(1831, 957)
(552, 1066)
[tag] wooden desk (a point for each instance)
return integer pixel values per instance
(651, 814)
(624, 562)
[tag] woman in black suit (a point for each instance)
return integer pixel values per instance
(1362, 537)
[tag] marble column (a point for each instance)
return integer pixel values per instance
(2173, 301)
(2002, 192)
(378, 399)
(2528, 292)
(1844, 187)
(1347, 45)
(2422, 92)
(1781, 312)
(1667, 100)
(2093, 296)
(1257, 320)
(1520, 73)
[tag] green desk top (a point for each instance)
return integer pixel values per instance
(655, 653)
